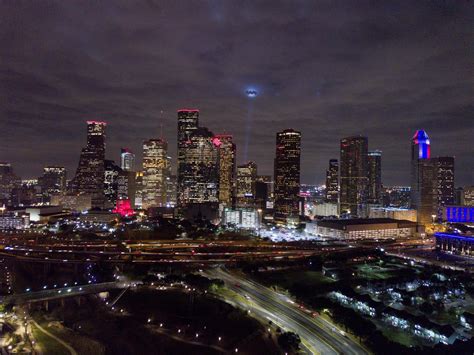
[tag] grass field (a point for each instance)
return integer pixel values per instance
(287, 279)
(47, 344)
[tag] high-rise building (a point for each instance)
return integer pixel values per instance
(287, 176)
(139, 189)
(468, 196)
(198, 181)
(227, 155)
(263, 191)
(188, 122)
(246, 184)
(112, 173)
(53, 181)
(126, 187)
(424, 196)
(445, 181)
(374, 167)
(155, 171)
(127, 160)
(9, 182)
(354, 179)
(89, 177)
(332, 181)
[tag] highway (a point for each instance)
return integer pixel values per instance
(318, 335)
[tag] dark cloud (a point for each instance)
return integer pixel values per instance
(327, 68)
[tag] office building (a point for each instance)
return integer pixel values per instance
(89, 177)
(468, 196)
(287, 177)
(354, 181)
(396, 196)
(53, 181)
(111, 178)
(9, 182)
(127, 160)
(155, 171)
(227, 155)
(445, 181)
(246, 184)
(332, 181)
(188, 122)
(199, 179)
(374, 169)
(263, 191)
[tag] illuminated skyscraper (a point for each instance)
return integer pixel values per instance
(155, 170)
(332, 181)
(53, 181)
(287, 176)
(89, 177)
(227, 152)
(112, 173)
(188, 122)
(199, 180)
(127, 160)
(246, 184)
(8, 183)
(374, 163)
(354, 178)
(445, 181)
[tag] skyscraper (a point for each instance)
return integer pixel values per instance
(112, 173)
(445, 181)
(227, 153)
(374, 162)
(89, 177)
(199, 179)
(246, 184)
(354, 178)
(332, 181)
(188, 122)
(423, 178)
(127, 160)
(155, 171)
(287, 176)
(9, 181)
(53, 181)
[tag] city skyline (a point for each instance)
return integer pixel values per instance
(341, 78)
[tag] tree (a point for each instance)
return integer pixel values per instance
(289, 341)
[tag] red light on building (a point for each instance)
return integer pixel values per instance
(124, 208)
(216, 141)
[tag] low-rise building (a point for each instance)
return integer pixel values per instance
(245, 218)
(14, 220)
(459, 244)
(366, 228)
(393, 213)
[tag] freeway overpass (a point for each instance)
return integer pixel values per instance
(61, 293)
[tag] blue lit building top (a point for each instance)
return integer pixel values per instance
(422, 140)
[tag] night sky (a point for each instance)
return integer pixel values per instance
(327, 68)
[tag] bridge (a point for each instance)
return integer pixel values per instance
(60, 293)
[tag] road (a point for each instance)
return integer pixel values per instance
(318, 335)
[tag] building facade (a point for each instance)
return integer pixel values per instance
(246, 184)
(227, 156)
(374, 169)
(354, 176)
(53, 181)
(287, 177)
(89, 177)
(332, 181)
(199, 180)
(188, 122)
(155, 171)
(127, 160)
